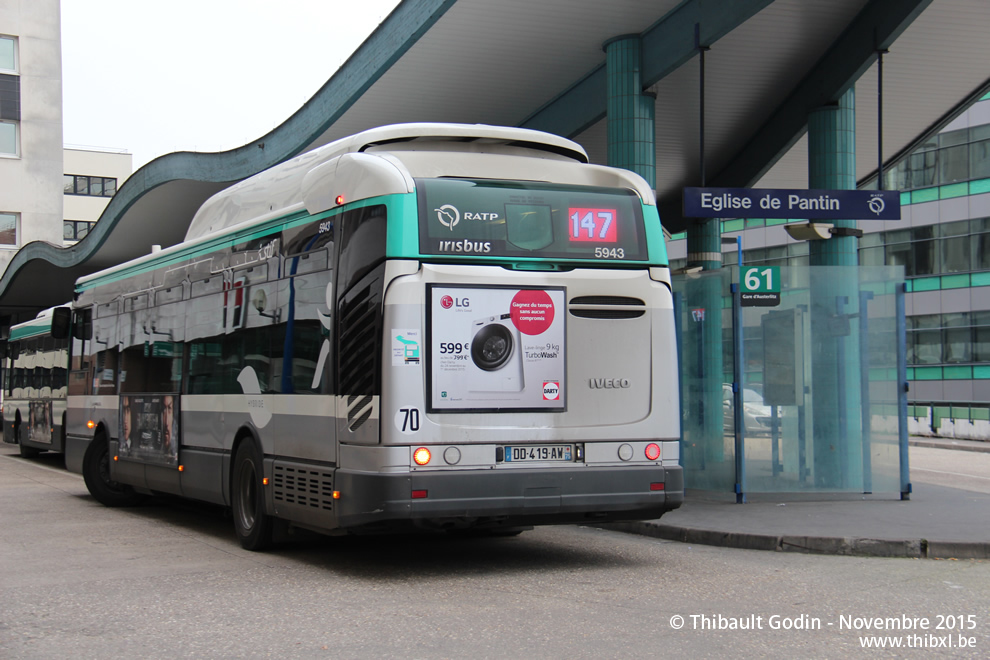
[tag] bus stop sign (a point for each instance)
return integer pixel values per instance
(760, 286)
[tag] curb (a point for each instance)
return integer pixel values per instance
(822, 545)
(958, 445)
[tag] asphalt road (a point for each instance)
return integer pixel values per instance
(966, 470)
(169, 580)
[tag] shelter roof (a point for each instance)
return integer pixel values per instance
(542, 65)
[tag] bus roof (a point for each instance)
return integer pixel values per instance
(37, 327)
(383, 161)
(281, 188)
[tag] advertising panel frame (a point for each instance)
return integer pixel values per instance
(556, 329)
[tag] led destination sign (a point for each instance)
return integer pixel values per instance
(485, 218)
(793, 203)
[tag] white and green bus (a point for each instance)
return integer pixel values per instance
(431, 326)
(34, 387)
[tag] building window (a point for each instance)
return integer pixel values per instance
(91, 186)
(959, 338)
(10, 96)
(8, 138)
(8, 54)
(950, 157)
(8, 229)
(950, 247)
(76, 230)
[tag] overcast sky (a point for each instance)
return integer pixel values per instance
(202, 75)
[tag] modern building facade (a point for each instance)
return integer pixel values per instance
(30, 125)
(90, 180)
(943, 243)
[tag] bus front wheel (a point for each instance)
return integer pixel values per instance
(26, 452)
(254, 526)
(96, 473)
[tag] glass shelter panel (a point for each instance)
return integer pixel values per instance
(819, 383)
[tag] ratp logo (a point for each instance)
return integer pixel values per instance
(876, 204)
(448, 216)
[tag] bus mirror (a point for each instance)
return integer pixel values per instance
(61, 322)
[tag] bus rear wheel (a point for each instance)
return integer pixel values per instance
(96, 473)
(254, 526)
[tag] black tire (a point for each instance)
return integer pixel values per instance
(96, 473)
(26, 452)
(247, 498)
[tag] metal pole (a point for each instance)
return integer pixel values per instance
(739, 417)
(840, 351)
(701, 387)
(864, 380)
(880, 53)
(678, 332)
(701, 114)
(902, 392)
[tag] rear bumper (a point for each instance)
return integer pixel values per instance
(506, 497)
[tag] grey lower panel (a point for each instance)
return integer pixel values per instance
(75, 450)
(127, 472)
(202, 477)
(55, 445)
(503, 497)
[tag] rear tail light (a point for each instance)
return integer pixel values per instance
(421, 456)
(652, 451)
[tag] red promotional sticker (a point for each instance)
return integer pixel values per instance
(532, 311)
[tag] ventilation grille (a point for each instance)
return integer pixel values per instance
(358, 331)
(607, 307)
(360, 346)
(607, 300)
(299, 485)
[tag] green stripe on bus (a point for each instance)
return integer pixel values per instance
(228, 240)
(42, 328)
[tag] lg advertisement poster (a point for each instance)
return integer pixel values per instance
(496, 349)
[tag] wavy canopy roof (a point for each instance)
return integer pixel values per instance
(541, 65)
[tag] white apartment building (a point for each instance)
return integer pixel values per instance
(30, 125)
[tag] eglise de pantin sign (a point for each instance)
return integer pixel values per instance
(792, 204)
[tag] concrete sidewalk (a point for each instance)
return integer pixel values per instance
(937, 522)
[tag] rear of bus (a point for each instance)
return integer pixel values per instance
(527, 353)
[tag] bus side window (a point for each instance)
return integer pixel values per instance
(204, 327)
(103, 352)
(82, 333)
(302, 347)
